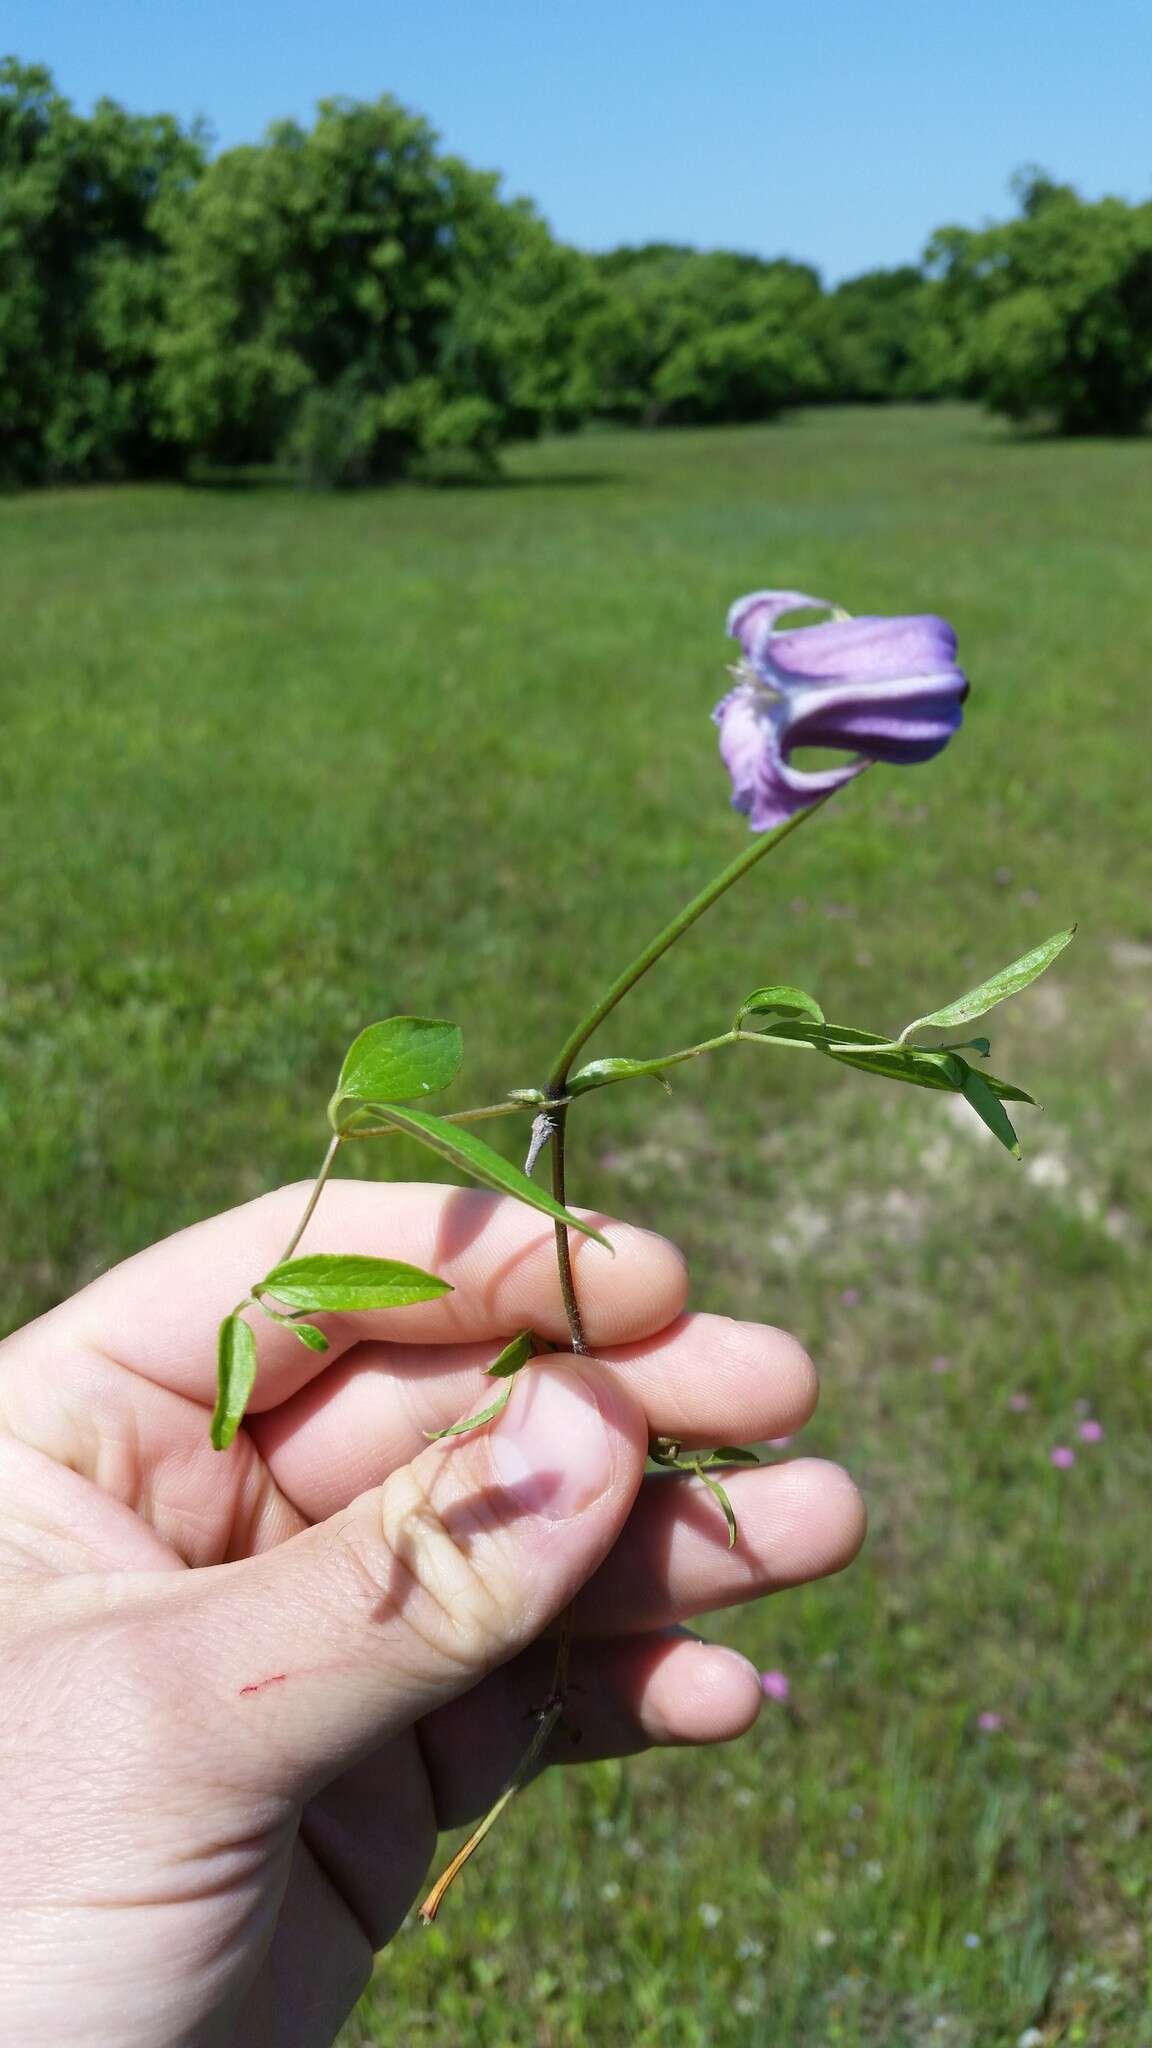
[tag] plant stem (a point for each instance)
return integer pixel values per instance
(558, 1104)
(559, 1121)
(658, 946)
(310, 1208)
(546, 1721)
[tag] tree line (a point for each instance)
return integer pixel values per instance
(350, 300)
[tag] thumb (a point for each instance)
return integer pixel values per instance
(321, 1649)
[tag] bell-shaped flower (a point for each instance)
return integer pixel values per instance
(882, 689)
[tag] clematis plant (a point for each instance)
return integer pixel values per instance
(884, 689)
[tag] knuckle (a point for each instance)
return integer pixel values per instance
(434, 1572)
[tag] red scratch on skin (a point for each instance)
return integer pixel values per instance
(262, 1684)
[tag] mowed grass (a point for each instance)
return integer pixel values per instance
(275, 765)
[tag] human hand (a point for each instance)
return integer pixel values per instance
(244, 1691)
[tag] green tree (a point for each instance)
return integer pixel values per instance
(682, 335)
(81, 280)
(1055, 309)
(350, 295)
(883, 336)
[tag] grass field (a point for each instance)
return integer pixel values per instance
(276, 765)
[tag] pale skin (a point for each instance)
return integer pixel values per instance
(243, 1691)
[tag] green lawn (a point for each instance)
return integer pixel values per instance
(275, 765)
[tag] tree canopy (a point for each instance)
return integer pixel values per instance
(350, 299)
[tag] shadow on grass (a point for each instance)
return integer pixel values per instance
(239, 480)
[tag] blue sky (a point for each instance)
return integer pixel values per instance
(842, 131)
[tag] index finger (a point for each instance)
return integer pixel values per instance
(158, 1313)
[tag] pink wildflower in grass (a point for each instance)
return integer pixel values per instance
(1062, 1456)
(1019, 1403)
(941, 1365)
(776, 1685)
(850, 1297)
(1091, 1432)
(989, 1723)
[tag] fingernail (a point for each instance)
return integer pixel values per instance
(550, 1447)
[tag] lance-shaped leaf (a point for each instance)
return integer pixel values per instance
(779, 1001)
(990, 1110)
(235, 1375)
(920, 1066)
(473, 1421)
(1008, 982)
(470, 1155)
(325, 1280)
(515, 1355)
(720, 1496)
(394, 1061)
(599, 1073)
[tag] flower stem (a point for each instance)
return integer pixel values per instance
(658, 946)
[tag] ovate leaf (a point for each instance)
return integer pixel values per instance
(235, 1375)
(472, 1421)
(400, 1058)
(733, 1454)
(327, 1281)
(470, 1155)
(990, 1110)
(779, 1001)
(1008, 982)
(312, 1338)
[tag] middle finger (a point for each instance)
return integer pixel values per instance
(705, 1379)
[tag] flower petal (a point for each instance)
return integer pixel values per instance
(751, 619)
(764, 786)
(742, 742)
(904, 720)
(867, 650)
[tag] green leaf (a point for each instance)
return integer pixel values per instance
(327, 1281)
(235, 1375)
(1008, 982)
(780, 1001)
(310, 1336)
(920, 1069)
(734, 1454)
(720, 1496)
(598, 1073)
(514, 1355)
(990, 1110)
(470, 1155)
(920, 1066)
(395, 1060)
(473, 1421)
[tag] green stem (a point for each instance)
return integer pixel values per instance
(310, 1208)
(658, 946)
(559, 1121)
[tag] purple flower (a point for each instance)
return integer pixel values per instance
(1062, 1456)
(990, 1723)
(1019, 1403)
(885, 689)
(1091, 1432)
(775, 1686)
